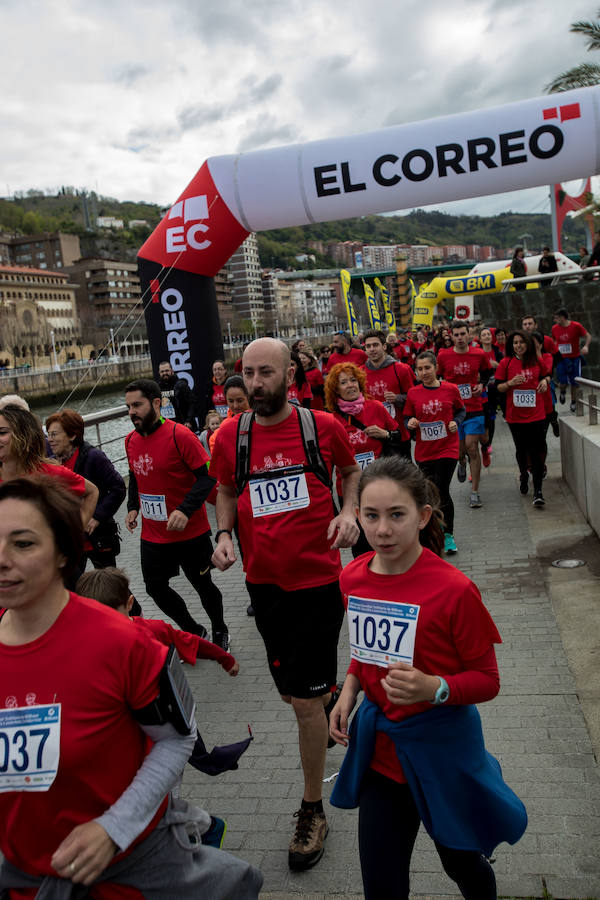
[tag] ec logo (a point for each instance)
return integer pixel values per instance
(182, 237)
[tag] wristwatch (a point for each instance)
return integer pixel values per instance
(442, 693)
(220, 532)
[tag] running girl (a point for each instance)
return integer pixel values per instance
(434, 410)
(523, 376)
(422, 646)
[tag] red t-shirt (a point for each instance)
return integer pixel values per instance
(463, 370)
(287, 547)
(190, 647)
(524, 403)
(315, 379)
(356, 356)
(547, 395)
(453, 627)
(434, 408)
(71, 480)
(297, 394)
(397, 378)
(218, 401)
(567, 338)
(404, 351)
(366, 449)
(96, 668)
(163, 464)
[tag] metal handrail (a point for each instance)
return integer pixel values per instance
(552, 277)
(590, 402)
(96, 419)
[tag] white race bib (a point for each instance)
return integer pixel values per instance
(433, 431)
(565, 349)
(167, 411)
(524, 399)
(222, 410)
(465, 391)
(29, 747)
(382, 632)
(278, 494)
(154, 506)
(364, 459)
(391, 409)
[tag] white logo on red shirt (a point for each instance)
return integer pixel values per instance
(280, 462)
(462, 368)
(358, 437)
(432, 407)
(378, 388)
(30, 699)
(143, 464)
(11, 702)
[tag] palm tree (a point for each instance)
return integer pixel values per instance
(586, 74)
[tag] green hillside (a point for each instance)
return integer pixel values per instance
(36, 211)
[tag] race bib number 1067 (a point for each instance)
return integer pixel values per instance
(382, 632)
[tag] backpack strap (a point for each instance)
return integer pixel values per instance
(310, 442)
(242, 450)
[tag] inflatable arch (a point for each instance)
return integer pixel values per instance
(507, 148)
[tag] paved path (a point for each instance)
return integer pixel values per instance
(535, 727)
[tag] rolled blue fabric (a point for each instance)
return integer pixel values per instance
(463, 801)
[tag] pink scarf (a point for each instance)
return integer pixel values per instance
(352, 407)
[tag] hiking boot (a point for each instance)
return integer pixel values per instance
(461, 471)
(306, 847)
(524, 486)
(538, 500)
(221, 639)
(450, 544)
(475, 500)
(486, 456)
(334, 699)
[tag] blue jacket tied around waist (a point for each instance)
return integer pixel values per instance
(457, 785)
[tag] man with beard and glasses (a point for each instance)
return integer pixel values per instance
(168, 483)
(177, 400)
(290, 537)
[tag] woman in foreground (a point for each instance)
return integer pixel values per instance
(422, 652)
(88, 764)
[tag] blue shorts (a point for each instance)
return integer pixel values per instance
(568, 369)
(474, 425)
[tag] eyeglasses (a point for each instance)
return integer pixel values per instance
(54, 434)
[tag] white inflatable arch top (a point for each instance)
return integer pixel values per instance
(520, 145)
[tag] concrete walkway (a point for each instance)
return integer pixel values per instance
(536, 727)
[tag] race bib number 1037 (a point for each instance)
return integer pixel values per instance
(29, 747)
(382, 632)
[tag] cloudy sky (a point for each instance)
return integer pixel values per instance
(129, 99)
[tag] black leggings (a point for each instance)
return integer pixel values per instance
(530, 449)
(440, 471)
(170, 602)
(388, 823)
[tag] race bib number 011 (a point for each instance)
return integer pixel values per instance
(29, 747)
(154, 506)
(465, 391)
(524, 399)
(276, 495)
(433, 431)
(382, 632)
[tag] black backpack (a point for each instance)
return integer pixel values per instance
(310, 441)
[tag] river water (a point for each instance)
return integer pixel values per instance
(111, 433)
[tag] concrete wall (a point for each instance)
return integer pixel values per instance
(580, 458)
(52, 385)
(582, 300)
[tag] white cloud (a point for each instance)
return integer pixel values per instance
(130, 99)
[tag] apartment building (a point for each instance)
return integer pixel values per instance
(244, 265)
(50, 250)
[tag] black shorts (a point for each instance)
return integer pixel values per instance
(300, 630)
(161, 561)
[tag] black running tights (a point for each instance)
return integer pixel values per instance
(387, 829)
(530, 449)
(440, 471)
(169, 601)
